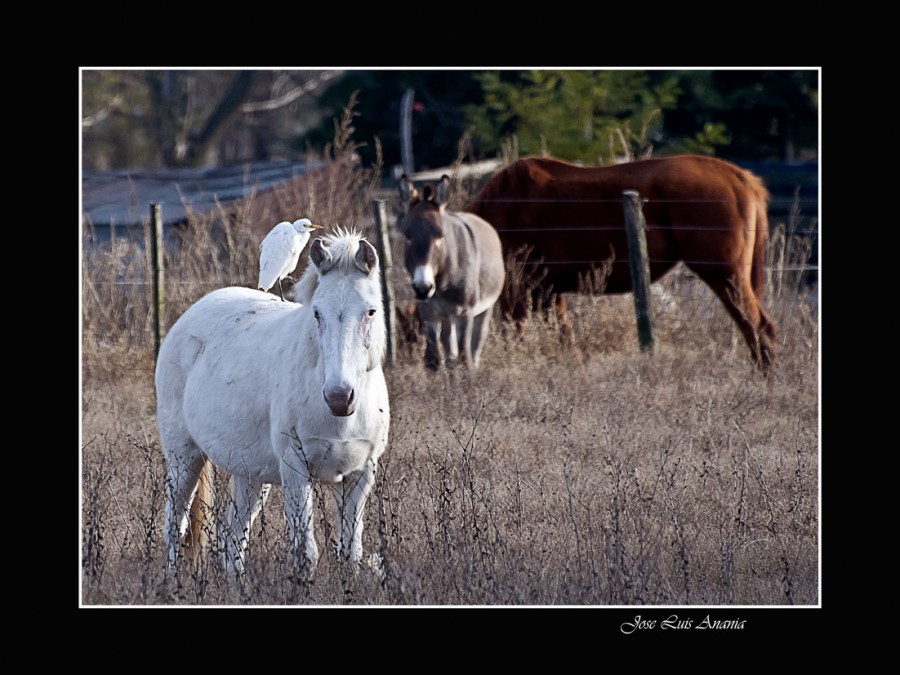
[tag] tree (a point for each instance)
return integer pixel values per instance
(173, 118)
(438, 119)
(769, 114)
(143, 118)
(595, 116)
(598, 116)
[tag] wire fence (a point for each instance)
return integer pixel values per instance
(613, 200)
(536, 264)
(218, 248)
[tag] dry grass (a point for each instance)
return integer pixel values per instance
(589, 476)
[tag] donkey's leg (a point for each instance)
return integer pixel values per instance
(350, 498)
(183, 468)
(449, 333)
(432, 323)
(480, 326)
(247, 500)
(432, 349)
(464, 327)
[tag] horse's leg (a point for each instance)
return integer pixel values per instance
(182, 476)
(540, 301)
(480, 326)
(744, 307)
(566, 333)
(298, 506)
(515, 309)
(247, 500)
(350, 498)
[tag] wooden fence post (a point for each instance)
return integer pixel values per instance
(639, 263)
(387, 290)
(406, 149)
(157, 260)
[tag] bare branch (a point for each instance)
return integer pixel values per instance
(230, 103)
(292, 95)
(102, 114)
(91, 120)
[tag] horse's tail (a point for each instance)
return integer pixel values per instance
(760, 197)
(197, 536)
(759, 210)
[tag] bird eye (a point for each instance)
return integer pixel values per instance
(371, 312)
(316, 314)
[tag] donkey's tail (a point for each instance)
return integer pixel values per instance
(197, 536)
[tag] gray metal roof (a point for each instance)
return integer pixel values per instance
(124, 197)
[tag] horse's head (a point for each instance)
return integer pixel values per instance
(425, 253)
(349, 316)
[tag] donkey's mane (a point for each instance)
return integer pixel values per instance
(342, 245)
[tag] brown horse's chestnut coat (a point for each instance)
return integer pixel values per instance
(706, 212)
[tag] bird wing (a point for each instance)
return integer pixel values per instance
(278, 255)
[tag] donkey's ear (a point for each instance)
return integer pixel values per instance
(366, 258)
(321, 257)
(408, 195)
(442, 191)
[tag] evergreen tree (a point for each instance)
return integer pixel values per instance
(593, 116)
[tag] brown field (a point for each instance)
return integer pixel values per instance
(593, 475)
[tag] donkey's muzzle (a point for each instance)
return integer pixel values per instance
(340, 401)
(423, 291)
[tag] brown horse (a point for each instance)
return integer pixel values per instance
(705, 212)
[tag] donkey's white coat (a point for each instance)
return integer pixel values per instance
(252, 384)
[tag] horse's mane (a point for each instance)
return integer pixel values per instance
(342, 244)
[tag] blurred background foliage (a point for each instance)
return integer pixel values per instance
(180, 118)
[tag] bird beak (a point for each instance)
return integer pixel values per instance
(317, 227)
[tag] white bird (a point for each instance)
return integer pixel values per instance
(280, 251)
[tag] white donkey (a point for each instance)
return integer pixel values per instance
(279, 392)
